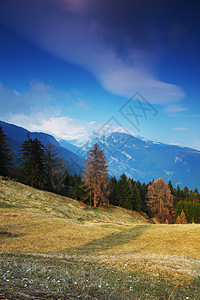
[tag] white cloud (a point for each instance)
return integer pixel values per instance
(180, 129)
(39, 98)
(66, 128)
(175, 109)
(35, 111)
(69, 35)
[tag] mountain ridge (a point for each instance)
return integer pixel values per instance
(17, 135)
(137, 157)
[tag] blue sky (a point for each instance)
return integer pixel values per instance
(69, 67)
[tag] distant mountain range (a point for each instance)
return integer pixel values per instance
(137, 157)
(17, 135)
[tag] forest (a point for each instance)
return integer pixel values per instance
(43, 168)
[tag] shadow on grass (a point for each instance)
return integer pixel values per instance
(110, 241)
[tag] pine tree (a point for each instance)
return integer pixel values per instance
(55, 168)
(32, 163)
(6, 156)
(113, 191)
(136, 198)
(177, 193)
(171, 187)
(96, 176)
(124, 193)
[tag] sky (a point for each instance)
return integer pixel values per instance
(73, 68)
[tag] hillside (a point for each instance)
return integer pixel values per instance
(54, 247)
(38, 213)
(17, 135)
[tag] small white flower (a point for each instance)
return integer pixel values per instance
(99, 286)
(131, 288)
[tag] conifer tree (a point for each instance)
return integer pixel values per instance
(181, 219)
(32, 163)
(171, 187)
(55, 168)
(124, 193)
(136, 198)
(113, 191)
(96, 176)
(6, 156)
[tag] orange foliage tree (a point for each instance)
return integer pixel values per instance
(96, 176)
(160, 201)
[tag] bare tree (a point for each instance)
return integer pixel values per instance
(96, 176)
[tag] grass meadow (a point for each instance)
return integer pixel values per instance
(52, 247)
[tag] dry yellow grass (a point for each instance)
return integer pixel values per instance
(179, 240)
(40, 233)
(60, 227)
(44, 222)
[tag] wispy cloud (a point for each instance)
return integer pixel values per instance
(175, 109)
(180, 129)
(75, 32)
(40, 98)
(35, 110)
(80, 103)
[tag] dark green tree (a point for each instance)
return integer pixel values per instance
(32, 163)
(55, 169)
(171, 187)
(6, 156)
(124, 193)
(137, 202)
(113, 191)
(177, 193)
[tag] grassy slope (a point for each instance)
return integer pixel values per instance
(64, 231)
(44, 222)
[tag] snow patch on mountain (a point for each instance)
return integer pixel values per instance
(127, 155)
(177, 159)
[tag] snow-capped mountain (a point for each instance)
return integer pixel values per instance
(135, 156)
(146, 160)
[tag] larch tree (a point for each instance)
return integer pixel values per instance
(160, 200)
(181, 219)
(96, 176)
(6, 156)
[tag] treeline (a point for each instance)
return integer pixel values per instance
(157, 199)
(43, 168)
(188, 202)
